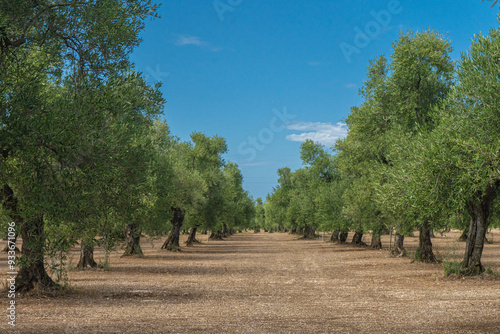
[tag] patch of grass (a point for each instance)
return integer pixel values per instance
(452, 267)
(104, 265)
(491, 272)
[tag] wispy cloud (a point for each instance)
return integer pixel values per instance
(314, 63)
(324, 133)
(184, 40)
(351, 86)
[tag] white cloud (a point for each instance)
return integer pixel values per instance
(351, 86)
(183, 40)
(314, 63)
(324, 133)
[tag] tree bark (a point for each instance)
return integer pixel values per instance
(479, 211)
(357, 239)
(308, 233)
(256, 229)
(133, 240)
(343, 237)
(424, 251)
(32, 270)
(335, 236)
(399, 249)
(465, 232)
(225, 233)
(86, 256)
(192, 237)
(217, 235)
(172, 242)
(376, 242)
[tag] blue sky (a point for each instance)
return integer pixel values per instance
(266, 75)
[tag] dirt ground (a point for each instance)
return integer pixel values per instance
(267, 283)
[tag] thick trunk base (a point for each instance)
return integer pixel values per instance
(32, 274)
(172, 242)
(192, 238)
(424, 251)
(479, 212)
(335, 236)
(357, 239)
(376, 243)
(133, 240)
(86, 257)
(343, 237)
(216, 235)
(308, 233)
(399, 249)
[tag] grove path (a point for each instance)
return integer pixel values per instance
(267, 283)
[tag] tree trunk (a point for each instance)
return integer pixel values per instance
(424, 251)
(376, 242)
(86, 256)
(217, 235)
(32, 270)
(399, 249)
(357, 239)
(335, 236)
(256, 229)
(133, 240)
(192, 237)
(479, 211)
(464, 235)
(225, 233)
(172, 242)
(308, 233)
(343, 237)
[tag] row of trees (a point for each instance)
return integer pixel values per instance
(422, 152)
(84, 152)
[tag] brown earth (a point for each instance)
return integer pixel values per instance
(267, 283)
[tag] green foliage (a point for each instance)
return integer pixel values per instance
(452, 267)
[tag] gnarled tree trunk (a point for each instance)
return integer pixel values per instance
(424, 251)
(133, 240)
(172, 242)
(399, 249)
(479, 211)
(335, 236)
(308, 233)
(376, 242)
(192, 237)
(357, 239)
(32, 270)
(86, 256)
(343, 237)
(216, 235)
(225, 232)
